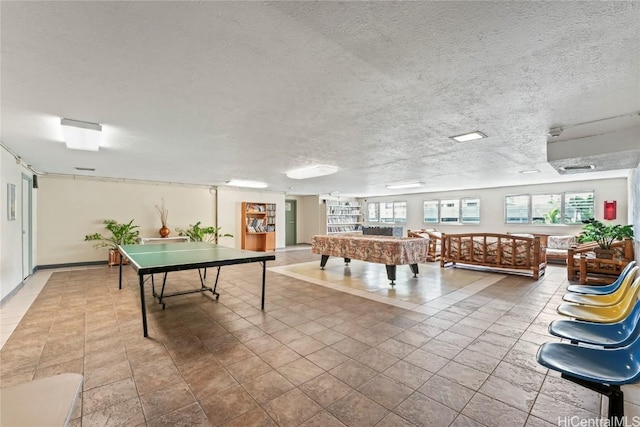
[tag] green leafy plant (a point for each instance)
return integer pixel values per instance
(604, 234)
(202, 234)
(121, 234)
(553, 216)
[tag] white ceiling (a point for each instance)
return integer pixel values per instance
(205, 92)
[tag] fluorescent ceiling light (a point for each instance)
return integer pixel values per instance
(578, 168)
(530, 171)
(471, 136)
(81, 135)
(312, 172)
(248, 184)
(405, 185)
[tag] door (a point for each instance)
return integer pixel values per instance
(290, 222)
(25, 214)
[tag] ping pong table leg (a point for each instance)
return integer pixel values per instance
(264, 276)
(144, 308)
(120, 282)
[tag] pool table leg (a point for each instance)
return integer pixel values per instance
(414, 269)
(323, 261)
(391, 274)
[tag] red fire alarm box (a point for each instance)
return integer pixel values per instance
(609, 209)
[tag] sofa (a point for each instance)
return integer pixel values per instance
(558, 247)
(435, 239)
(507, 253)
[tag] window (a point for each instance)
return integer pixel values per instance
(465, 210)
(386, 212)
(517, 209)
(560, 208)
(373, 210)
(431, 212)
(578, 207)
(400, 211)
(546, 208)
(470, 211)
(450, 210)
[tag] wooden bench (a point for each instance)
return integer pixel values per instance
(503, 252)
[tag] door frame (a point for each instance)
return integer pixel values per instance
(26, 224)
(288, 238)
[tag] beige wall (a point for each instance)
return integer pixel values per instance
(70, 208)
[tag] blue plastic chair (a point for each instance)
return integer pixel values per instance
(612, 298)
(603, 289)
(608, 335)
(598, 369)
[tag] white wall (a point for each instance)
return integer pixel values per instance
(11, 231)
(492, 206)
(70, 208)
(308, 222)
(634, 207)
(230, 211)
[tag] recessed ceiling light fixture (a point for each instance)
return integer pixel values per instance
(471, 136)
(405, 185)
(81, 135)
(530, 171)
(312, 172)
(247, 184)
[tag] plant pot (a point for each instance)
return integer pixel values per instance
(604, 253)
(114, 258)
(164, 231)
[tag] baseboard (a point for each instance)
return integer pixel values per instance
(70, 265)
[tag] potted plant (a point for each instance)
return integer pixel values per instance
(202, 234)
(604, 235)
(121, 234)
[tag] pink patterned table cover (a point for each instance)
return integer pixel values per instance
(384, 250)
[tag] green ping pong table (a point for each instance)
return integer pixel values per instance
(167, 257)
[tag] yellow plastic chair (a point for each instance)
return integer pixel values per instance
(604, 300)
(608, 314)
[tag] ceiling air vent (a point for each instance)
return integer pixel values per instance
(581, 168)
(78, 168)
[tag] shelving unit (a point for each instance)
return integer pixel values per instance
(259, 230)
(343, 217)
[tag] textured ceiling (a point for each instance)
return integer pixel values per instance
(205, 92)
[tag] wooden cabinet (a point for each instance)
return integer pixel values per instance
(259, 226)
(343, 217)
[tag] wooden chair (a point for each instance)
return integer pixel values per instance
(583, 265)
(435, 242)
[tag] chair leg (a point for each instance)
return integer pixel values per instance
(616, 406)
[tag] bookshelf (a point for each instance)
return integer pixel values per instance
(343, 217)
(259, 226)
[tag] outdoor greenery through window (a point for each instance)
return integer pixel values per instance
(465, 211)
(558, 208)
(390, 212)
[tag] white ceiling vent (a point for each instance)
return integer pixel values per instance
(602, 152)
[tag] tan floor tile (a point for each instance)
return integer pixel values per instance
(248, 369)
(323, 419)
(305, 346)
(279, 356)
(166, 400)
(423, 411)
(292, 408)
(356, 409)
(464, 375)
(328, 336)
(285, 336)
(300, 371)
(426, 360)
(191, 415)
(447, 392)
(268, 386)
(385, 391)
(491, 412)
(408, 374)
(350, 347)
(376, 359)
(125, 413)
(396, 348)
(227, 405)
(254, 418)
(325, 389)
(108, 395)
(463, 421)
(327, 358)
(509, 393)
(353, 373)
(394, 420)
(476, 360)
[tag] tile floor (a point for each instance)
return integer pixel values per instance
(333, 348)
